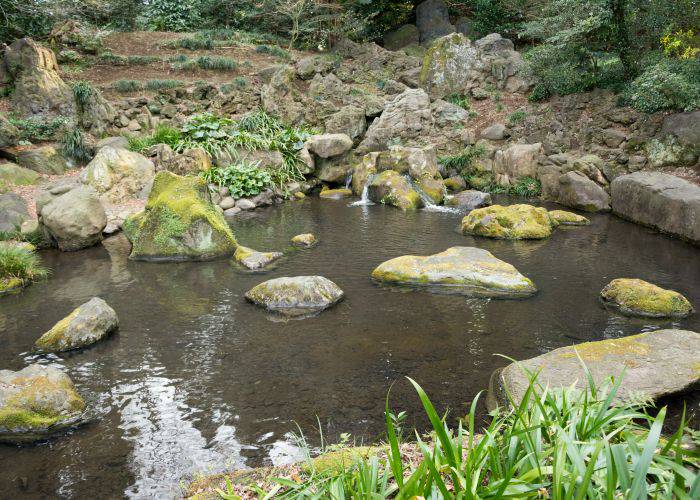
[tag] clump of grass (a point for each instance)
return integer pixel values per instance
(273, 50)
(83, 92)
(218, 63)
(185, 64)
(126, 86)
(108, 57)
(460, 100)
(161, 135)
(74, 147)
(157, 84)
(527, 187)
(19, 267)
(194, 43)
(463, 160)
(517, 117)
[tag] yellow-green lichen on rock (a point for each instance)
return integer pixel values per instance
(433, 189)
(295, 296)
(254, 260)
(512, 222)
(179, 223)
(35, 401)
(342, 459)
(305, 240)
(564, 218)
(335, 194)
(641, 298)
(391, 188)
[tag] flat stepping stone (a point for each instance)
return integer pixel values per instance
(465, 270)
(512, 222)
(564, 218)
(254, 260)
(86, 325)
(306, 240)
(657, 364)
(640, 298)
(296, 296)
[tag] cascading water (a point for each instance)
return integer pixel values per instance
(364, 199)
(348, 181)
(428, 202)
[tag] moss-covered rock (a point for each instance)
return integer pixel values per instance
(363, 172)
(464, 270)
(433, 189)
(447, 64)
(252, 259)
(86, 325)
(390, 188)
(640, 298)
(35, 402)
(305, 240)
(335, 194)
(296, 296)
(512, 222)
(18, 176)
(342, 459)
(564, 218)
(179, 223)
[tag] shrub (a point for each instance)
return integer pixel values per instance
(172, 15)
(161, 135)
(38, 128)
(273, 50)
(241, 178)
(668, 84)
(19, 267)
(681, 44)
(460, 100)
(163, 84)
(126, 86)
(517, 117)
(74, 147)
(216, 63)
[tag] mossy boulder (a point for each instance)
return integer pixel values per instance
(179, 223)
(19, 176)
(42, 159)
(640, 298)
(86, 325)
(447, 65)
(335, 194)
(564, 218)
(305, 240)
(252, 259)
(656, 365)
(342, 459)
(390, 188)
(36, 402)
(296, 296)
(432, 188)
(512, 222)
(470, 199)
(464, 270)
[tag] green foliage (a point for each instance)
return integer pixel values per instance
(517, 116)
(206, 131)
(172, 15)
(241, 178)
(161, 135)
(465, 160)
(157, 84)
(460, 100)
(197, 42)
(38, 128)
(74, 147)
(126, 86)
(680, 44)
(107, 57)
(497, 16)
(83, 92)
(527, 187)
(21, 264)
(216, 63)
(273, 50)
(666, 85)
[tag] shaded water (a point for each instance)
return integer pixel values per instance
(196, 379)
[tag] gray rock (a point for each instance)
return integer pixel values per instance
(296, 296)
(42, 159)
(470, 199)
(254, 260)
(495, 132)
(86, 325)
(401, 37)
(114, 141)
(518, 160)
(657, 364)
(685, 127)
(578, 191)
(309, 66)
(433, 20)
(227, 202)
(465, 26)
(9, 135)
(245, 204)
(349, 120)
(662, 201)
(119, 174)
(13, 212)
(231, 212)
(329, 145)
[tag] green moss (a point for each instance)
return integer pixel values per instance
(54, 336)
(10, 284)
(561, 217)
(638, 297)
(341, 459)
(304, 240)
(433, 188)
(595, 351)
(508, 222)
(335, 193)
(391, 188)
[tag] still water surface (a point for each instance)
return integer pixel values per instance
(197, 379)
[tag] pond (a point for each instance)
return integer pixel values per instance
(197, 379)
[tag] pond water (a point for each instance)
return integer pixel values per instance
(197, 379)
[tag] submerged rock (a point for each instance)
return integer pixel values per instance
(295, 296)
(179, 223)
(465, 270)
(86, 325)
(252, 259)
(36, 402)
(305, 240)
(657, 364)
(391, 188)
(640, 298)
(563, 218)
(512, 222)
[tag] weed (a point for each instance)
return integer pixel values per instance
(517, 117)
(460, 100)
(464, 160)
(126, 86)
(217, 63)
(242, 178)
(74, 147)
(163, 84)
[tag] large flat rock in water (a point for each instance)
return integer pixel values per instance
(657, 364)
(464, 270)
(662, 201)
(296, 296)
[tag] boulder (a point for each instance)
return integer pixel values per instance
(563, 218)
(349, 120)
(517, 161)
(680, 133)
(448, 65)
(495, 132)
(113, 141)
(419, 163)
(333, 170)
(9, 135)
(335, 194)
(406, 35)
(433, 189)
(455, 183)
(13, 212)
(513, 222)
(637, 297)
(295, 296)
(281, 97)
(309, 66)
(329, 145)
(254, 260)
(179, 223)
(469, 200)
(70, 217)
(35, 402)
(578, 191)
(42, 159)
(86, 325)
(433, 20)
(39, 90)
(464, 270)
(13, 174)
(662, 201)
(363, 172)
(656, 365)
(305, 240)
(390, 188)
(119, 174)
(407, 116)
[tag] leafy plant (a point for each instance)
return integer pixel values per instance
(465, 159)
(241, 178)
(680, 44)
(517, 116)
(38, 128)
(460, 100)
(668, 84)
(527, 187)
(74, 147)
(83, 92)
(163, 134)
(126, 86)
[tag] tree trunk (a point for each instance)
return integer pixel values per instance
(621, 36)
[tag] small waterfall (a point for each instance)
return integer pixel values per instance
(430, 205)
(348, 181)
(364, 199)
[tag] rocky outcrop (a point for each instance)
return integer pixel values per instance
(42, 159)
(189, 162)
(678, 142)
(513, 222)
(464, 270)
(516, 161)
(119, 174)
(305, 240)
(71, 217)
(578, 191)
(469, 200)
(13, 213)
(38, 87)
(637, 297)
(179, 223)
(36, 402)
(281, 98)
(9, 135)
(86, 325)
(661, 201)
(656, 365)
(433, 20)
(309, 66)
(391, 188)
(295, 296)
(13, 174)
(329, 145)
(254, 260)
(349, 120)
